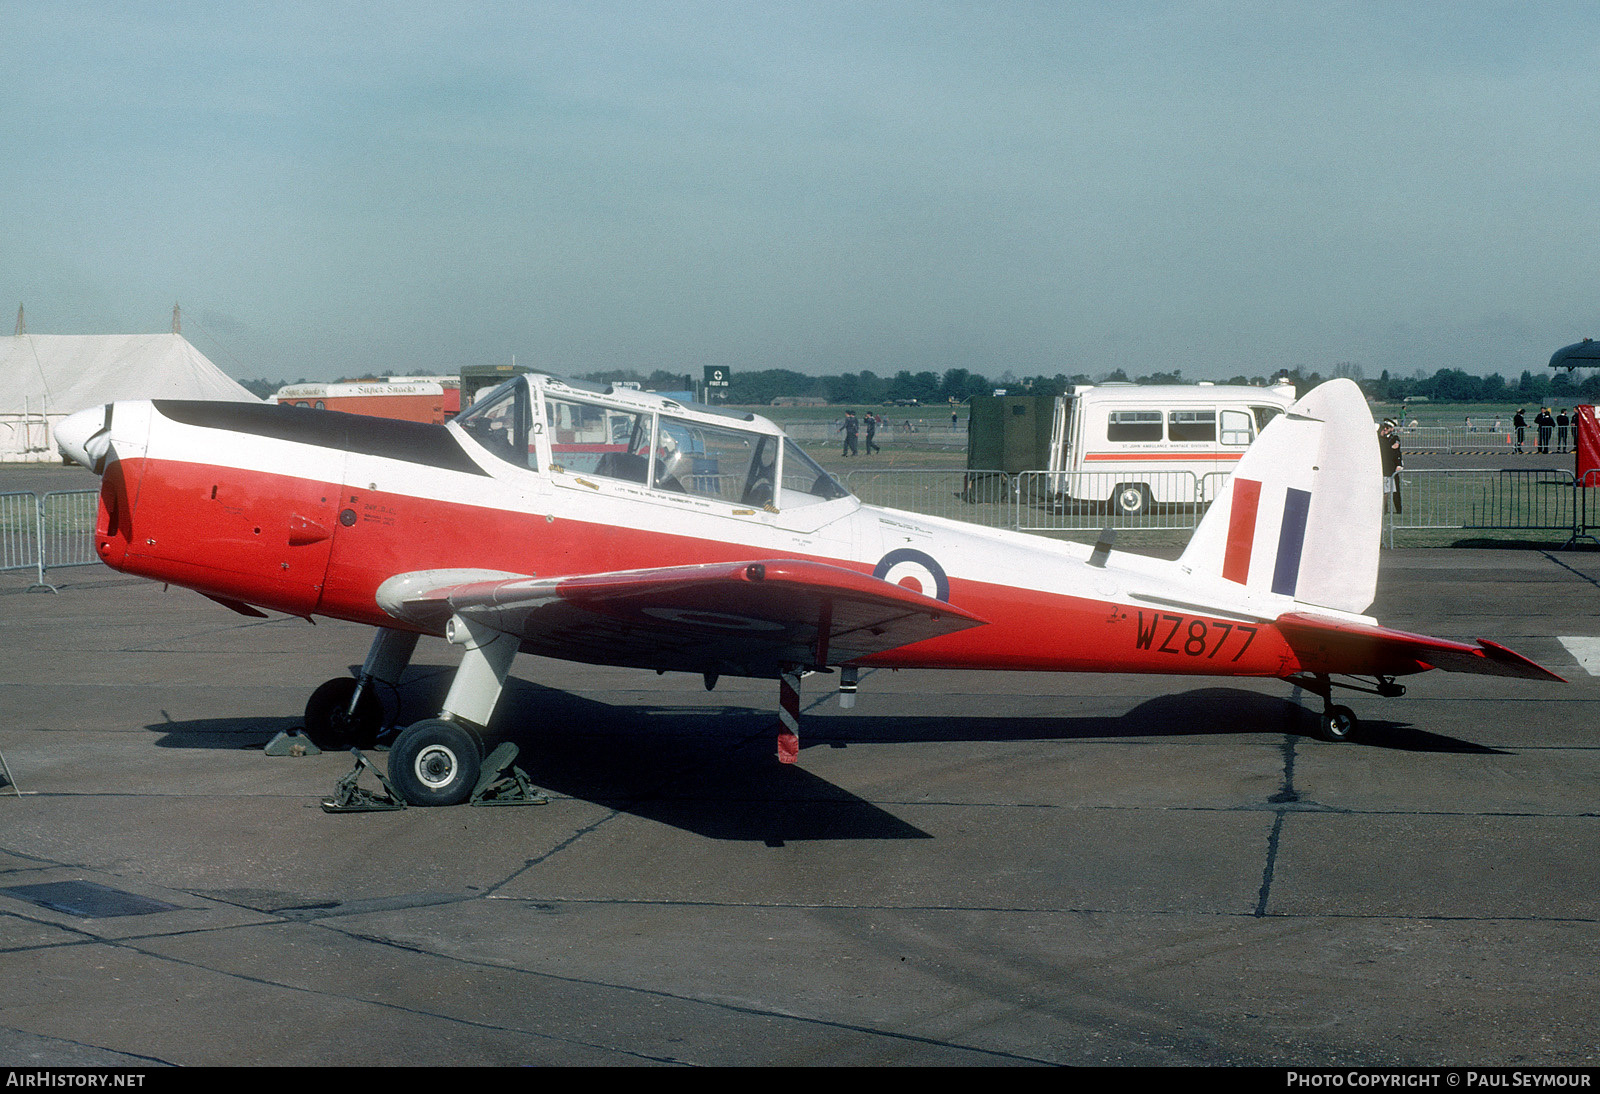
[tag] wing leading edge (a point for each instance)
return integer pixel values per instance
(737, 619)
(1336, 646)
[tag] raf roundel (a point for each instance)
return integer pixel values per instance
(915, 571)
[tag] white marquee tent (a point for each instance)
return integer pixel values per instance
(45, 377)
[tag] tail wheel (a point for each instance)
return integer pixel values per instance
(1339, 724)
(434, 762)
(331, 725)
(1131, 499)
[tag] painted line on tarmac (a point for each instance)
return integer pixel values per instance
(1586, 651)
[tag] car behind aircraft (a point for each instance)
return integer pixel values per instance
(611, 526)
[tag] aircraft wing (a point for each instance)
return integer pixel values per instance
(743, 619)
(1336, 646)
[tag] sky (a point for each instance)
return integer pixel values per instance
(1029, 188)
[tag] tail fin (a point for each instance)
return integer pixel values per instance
(1302, 513)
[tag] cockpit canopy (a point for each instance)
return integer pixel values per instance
(540, 423)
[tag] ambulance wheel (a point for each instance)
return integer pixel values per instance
(1131, 499)
(329, 723)
(434, 762)
(1339, 724)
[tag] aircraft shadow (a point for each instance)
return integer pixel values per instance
(1202, 711)
(711, 770)
(222, 733)
(708, 770)
(1208, 711)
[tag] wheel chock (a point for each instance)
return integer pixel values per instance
(292, 744)
(11, 780)
(350, 798)
(503, 783)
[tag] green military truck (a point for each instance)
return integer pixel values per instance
(1006, 435)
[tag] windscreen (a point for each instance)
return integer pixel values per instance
(804, 481)
(499, 422)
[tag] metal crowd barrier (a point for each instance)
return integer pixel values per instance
(1078, 501)
(1437, 438)
(977, 497)
(1480, 438)
(1588, 510)
(66, 528)
(896, 432)
(48, 533)
(894, 429)
(1042, 501)
(19, 531)
(1510, 499)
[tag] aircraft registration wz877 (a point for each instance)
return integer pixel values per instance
(618, 527)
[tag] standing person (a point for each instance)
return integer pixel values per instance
(872, 431)
(1561, 430)
(851, 428)
(1520, 424)
(1389, 450)
(1546, 422)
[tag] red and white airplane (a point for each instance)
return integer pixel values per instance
(616, 527)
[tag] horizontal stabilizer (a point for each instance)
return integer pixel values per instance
(1362, 649)
(737, 619)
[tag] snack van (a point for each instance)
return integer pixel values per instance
(413, 400)
(1132, 446)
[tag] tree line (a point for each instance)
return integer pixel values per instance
(1451, 385)
(867, 388)
(905, 388)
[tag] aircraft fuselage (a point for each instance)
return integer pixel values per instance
(309, 512)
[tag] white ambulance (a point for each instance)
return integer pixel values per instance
(1132, 446)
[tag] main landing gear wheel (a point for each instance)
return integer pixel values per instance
(329, 722)
(434, 762)
(1339, 724)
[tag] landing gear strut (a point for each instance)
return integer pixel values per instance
(1339, 723)
(343, 713)
(437, 761)
(346, 713)
(789, 704)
